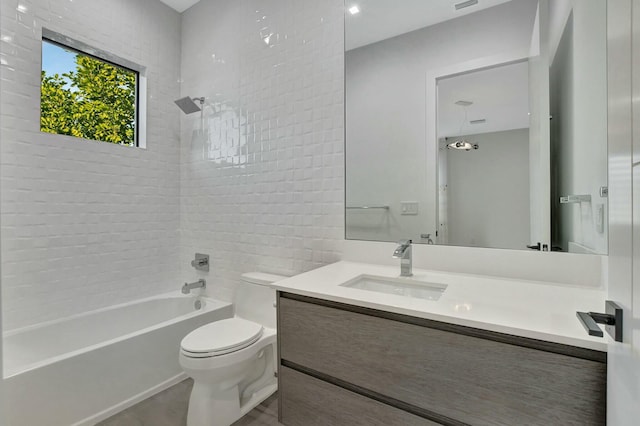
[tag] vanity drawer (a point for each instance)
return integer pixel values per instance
(313, 402)
(466, 379)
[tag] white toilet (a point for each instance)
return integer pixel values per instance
(233, 361)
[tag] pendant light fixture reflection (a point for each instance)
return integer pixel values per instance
(462, 144)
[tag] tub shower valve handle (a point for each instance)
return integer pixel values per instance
(201, 262)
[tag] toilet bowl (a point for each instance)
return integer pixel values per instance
(233, 361)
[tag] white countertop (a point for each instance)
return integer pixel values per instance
(532, 309)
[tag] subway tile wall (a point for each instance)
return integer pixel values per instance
(257, 183)
(87, 224)
(262, 171)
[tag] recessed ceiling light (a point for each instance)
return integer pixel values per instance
(354, 10)
(22, 8)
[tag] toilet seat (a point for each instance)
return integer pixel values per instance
(220, 337)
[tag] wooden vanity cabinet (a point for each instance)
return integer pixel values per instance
(314, 402)
(346, 365)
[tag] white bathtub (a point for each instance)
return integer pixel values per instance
(83, 369)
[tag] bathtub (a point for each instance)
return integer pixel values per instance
(83, 369)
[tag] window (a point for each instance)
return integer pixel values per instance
(87, 93)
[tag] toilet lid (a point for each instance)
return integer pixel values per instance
(222, 336)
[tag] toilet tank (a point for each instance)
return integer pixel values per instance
(254, 300)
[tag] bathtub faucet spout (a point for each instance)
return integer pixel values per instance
(187, 287)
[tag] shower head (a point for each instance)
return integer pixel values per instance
(188, 104)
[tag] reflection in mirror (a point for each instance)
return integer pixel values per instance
(478, 126)
(483, 158)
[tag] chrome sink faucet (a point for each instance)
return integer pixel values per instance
(403, 252)
(186, 288)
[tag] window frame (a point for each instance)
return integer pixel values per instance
(79, 47)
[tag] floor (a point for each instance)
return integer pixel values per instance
(169, 408)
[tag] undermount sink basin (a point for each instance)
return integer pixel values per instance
(407, 287)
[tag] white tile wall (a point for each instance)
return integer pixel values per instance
(87, 224)
(262, 187)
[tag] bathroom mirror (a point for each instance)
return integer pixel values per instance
(477, 123)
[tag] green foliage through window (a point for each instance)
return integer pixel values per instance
(96, 100)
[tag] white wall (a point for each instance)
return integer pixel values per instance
(386, 114)
(579, 127)
(263, 188)
(559, 11)
(2, 404)
(87, 224)
(488, 191)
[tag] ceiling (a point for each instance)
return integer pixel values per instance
(382, 19)
(180, 5)
(499, 95)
